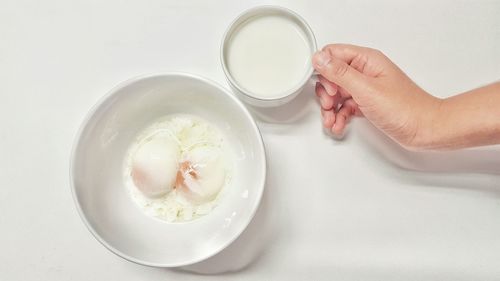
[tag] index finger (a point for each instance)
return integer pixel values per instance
(347, 52)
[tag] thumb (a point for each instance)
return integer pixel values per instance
(342, 74)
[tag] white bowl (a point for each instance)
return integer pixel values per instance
(253, 13)
(103, 201)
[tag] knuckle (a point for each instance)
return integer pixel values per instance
(330, 47)
(339, 68)
(359, 62)
(378, 53)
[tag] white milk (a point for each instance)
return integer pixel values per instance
(268, 56)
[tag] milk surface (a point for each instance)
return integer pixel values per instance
(268, 56)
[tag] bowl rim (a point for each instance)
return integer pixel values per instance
(110, 94)
(261, 10)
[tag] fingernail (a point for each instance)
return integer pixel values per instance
(321, 59)
(322, 100)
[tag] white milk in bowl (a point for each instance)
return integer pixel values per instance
(269, 56)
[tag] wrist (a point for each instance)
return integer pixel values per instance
(428, 125)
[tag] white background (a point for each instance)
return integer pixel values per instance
(357, 209)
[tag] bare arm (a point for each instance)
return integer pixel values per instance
(466, 120)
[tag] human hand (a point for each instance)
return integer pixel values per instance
(361, 81)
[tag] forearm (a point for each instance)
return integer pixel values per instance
(466, 120)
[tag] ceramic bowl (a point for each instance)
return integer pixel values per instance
(97, 180)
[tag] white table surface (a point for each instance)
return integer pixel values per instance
(357, 209)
